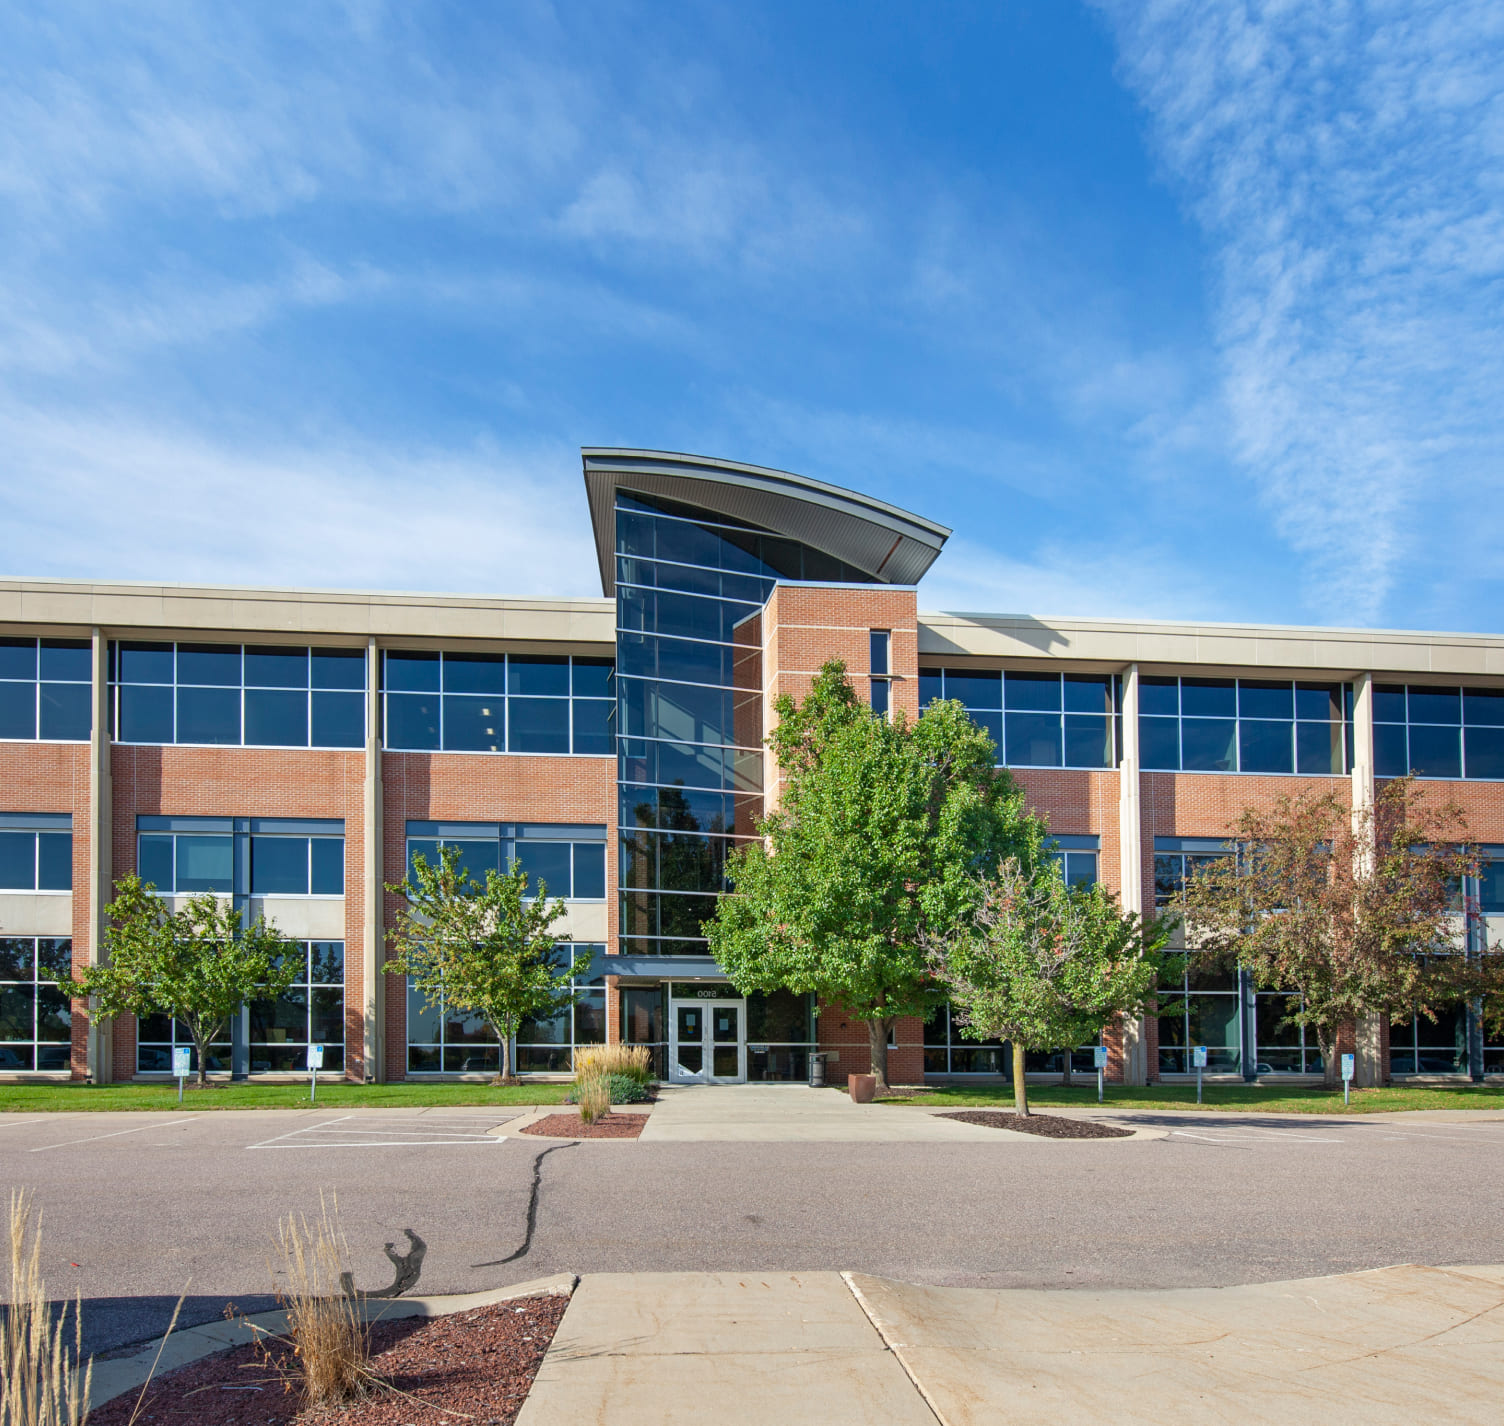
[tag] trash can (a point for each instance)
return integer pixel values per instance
(817, 1070)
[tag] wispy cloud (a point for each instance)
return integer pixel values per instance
(1346, 163)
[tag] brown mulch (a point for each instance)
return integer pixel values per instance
(471, 1365)
(1047, 1126)
(571, 1126)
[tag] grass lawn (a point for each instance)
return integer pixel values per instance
(1233, 1098)
(35, 1098)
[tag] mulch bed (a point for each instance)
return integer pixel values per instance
(477, 1365)
(1047, 1126)
(571, 1126)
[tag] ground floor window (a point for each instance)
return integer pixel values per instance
(440, 1041)
(310, 1011)
(35, 1016)
(1418, 1045)
(1208, 1014)
(1284, 1047)
(948, 1051)
(780, 1028)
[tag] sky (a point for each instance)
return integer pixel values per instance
(1178, 309)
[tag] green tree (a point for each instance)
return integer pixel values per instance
(881, 829)
(1358, 913)
(198, 964)
(483, 950)
(1043, 964)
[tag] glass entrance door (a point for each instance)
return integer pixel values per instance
(707, 1045)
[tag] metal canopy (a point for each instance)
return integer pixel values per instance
(890, 544)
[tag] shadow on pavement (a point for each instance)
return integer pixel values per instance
(115, 1323)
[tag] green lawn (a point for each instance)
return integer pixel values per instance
(34, 1098)
(1270, 1098)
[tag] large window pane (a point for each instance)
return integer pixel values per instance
(1208, 698)
(592, 678)
(66, 710)
(204, 864)
(1389, 702)
(18, 710)
(975, 690)
(536, 674)
(1434, 751)
(1264, 747)
(339, 720)
(475, 673)
(1209, 745)
(327, 866)
(408, 672)
(1318, 748)
(1261, 699)
(1034, 691)
(1033, 739)
(276, 668)
(931, 688)
(589, 871)
(412, 721)
(18, 861)
(276, 718)
(55, 861)
(18, 659)
(1390, 758)
(592, 725)
(1483, 707)
(216, 664)
(145, 663)
(1159, 743)
(1159, 697)
(279, 866)
(145, 714)
(1088, 741)
(1317, 702)
(547, 862)
(154, 861)
(992, 725)
(208, 715)
(1435, 705)
(339, 668)
(1485, 752)
(474, 723)
(1088, 693)
(66, 660)
(538, 725)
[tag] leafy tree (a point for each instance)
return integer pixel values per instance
(198, 964)
(1042, 964)
(483, 950)
(878, 837)
(1357, 912)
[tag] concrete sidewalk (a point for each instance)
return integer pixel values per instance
(1391, 1346)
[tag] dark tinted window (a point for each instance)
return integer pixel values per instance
(18, 658)
(339, 720)
(327, 857)
(1032, 691)
(1159, 696)
(276, 668)
(216, 664)
(1208, 697)
(66, 660)
(208, 715)
(18, 710)
(279, 866)
(412, 672)
(537, 675)
(18, 861)
(55, 861)
(538, 725)
(475, 673)
(276, 717)
(66, 711)
(338, 668)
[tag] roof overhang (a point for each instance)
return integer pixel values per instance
(890, 544)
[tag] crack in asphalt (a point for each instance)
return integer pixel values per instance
(532, 1208)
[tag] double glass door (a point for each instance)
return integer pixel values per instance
(706, 1045)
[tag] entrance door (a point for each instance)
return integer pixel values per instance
(707, 1045)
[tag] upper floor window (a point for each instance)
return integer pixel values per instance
(243, 856)
(45, 690)
(1242, 725)
(1036, 719)
(1438, 732)
(238, 695)
(879, 665)
(1077, 857)
(1176, 861)
(569, 860)
(497, 703)
(36, 851)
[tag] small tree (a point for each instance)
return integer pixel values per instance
(1043, 964)
(1357, 913)
(882, 828)
(198, 964)
(485, 950)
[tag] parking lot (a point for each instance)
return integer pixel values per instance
(141, 1207)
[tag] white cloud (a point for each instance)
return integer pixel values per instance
(1345, 162)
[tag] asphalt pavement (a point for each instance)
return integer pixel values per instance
(141, 1207)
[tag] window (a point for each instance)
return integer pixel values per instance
(1208, 1015)
(1438, 732)
(878, 641)
(443, 1042)
(1036, 719)
(234, 695)
(310, 1011)
(242, 856)
(45, 690)
(35, 1016)
(36, 851)
(947, 1051)
(497, 703)
(781, 1035)
(570, 861)
(1243, 725)
(1419, 1045)
(1283, 1047)
(1077, 857)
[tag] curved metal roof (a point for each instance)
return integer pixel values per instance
(892, 545)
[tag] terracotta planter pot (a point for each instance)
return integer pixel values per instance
(861, 1087)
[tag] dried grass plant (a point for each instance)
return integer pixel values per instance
(630, 1060)
(325, 1326)
(41, 1383)
(593, 1092)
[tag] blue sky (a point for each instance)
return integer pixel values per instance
(1175, 310)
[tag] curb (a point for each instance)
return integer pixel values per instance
(115, 1378)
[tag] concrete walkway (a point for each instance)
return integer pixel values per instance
(795, 1113)
(1391, 1346)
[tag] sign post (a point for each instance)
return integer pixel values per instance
(180, 1057)
(315, 1064)
(1099, 1054)
(1349, 1063)
(1198, 1058)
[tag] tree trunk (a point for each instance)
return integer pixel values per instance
(1065, 1073)
(505, 1077)
(877, 1039)
(1020, 1082)
(1330, 1064)
(202, 1046)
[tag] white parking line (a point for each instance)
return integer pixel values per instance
(342, 1133)
(139, 1129)
(1253, 1136)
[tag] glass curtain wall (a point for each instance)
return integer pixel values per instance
(690, 587)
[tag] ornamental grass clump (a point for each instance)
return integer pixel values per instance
(592, 1091)
(629, 1061)
(41, 1383)
(325, 1325)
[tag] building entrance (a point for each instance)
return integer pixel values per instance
(707, 1042)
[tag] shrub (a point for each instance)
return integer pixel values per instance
(626, 1090)
(40, 1380)
(324, 1323)
(593, 1091)
(629, 1060)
